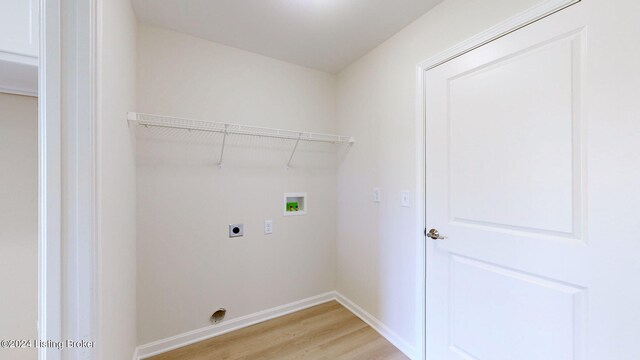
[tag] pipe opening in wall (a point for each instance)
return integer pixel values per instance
(218, 315)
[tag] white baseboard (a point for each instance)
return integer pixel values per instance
(377, 325)
(177, 341)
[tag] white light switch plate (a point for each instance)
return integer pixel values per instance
(268, 227)
(405, 198)
(376, 195)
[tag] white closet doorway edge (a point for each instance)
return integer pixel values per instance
(49, 180)
(512, 24)
(68, 200)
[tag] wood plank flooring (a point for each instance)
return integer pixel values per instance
(326, 331)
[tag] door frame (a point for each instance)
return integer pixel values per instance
(512, 24)
(68, 175)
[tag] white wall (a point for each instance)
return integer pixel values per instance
(376, 261)
(18, 222)
(117, 183)
(187, 265)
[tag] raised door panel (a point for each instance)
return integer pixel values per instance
(514, 143)
(516, 313)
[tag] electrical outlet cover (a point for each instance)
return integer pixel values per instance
(236, 230)
(376, 195)
(404, 198)
(268, 227)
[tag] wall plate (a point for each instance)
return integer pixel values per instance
(404, 199)
(295, 204)
(236, 230)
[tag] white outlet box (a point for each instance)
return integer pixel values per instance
(268, 227)
(404, 198)
(295, 204)
(376, 195)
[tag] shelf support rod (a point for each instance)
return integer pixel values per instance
(294, 150)
(224, 141)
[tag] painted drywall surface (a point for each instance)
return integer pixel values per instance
(117, 183)
(376, 247)
(18, 222)
(187, 265)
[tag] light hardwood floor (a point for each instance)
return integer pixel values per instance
(326, 331)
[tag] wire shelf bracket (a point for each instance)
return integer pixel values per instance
(295, 147)
(168, 122)
(224, 141)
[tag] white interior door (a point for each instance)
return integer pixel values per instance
(527, 270)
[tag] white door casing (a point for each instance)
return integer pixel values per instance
(526, 270)
(68, 304)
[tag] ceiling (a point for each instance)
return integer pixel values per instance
(326, 35)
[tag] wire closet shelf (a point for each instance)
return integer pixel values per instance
(169, 122)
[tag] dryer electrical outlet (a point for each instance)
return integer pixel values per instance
(236, 230)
